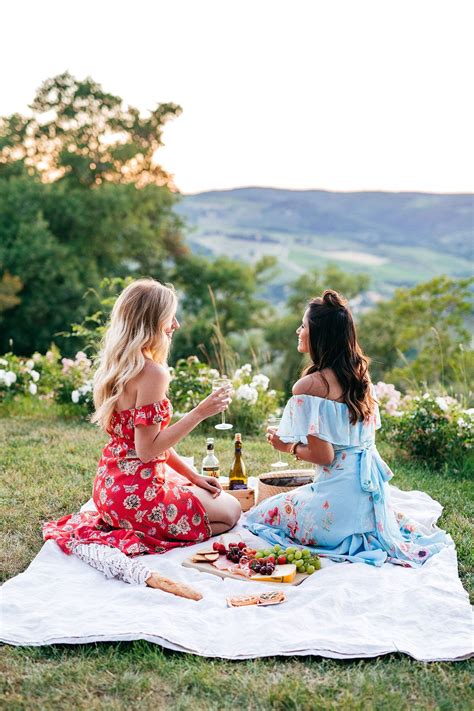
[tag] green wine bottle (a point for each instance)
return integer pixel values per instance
(238, 471)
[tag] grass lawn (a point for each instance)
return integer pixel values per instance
(47, 468)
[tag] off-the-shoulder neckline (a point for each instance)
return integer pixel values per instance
(149, 404)
(316, 397)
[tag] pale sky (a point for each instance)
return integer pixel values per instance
(335, 95)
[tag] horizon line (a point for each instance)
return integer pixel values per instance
(321, 190)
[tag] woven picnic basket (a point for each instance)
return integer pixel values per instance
(265, 489)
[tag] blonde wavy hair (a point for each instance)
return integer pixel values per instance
(136, 326)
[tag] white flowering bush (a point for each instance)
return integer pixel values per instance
(69, 381)
(191, 382)
(75, 384)
(23, 376)
(429, 427)
(48, 377)
(252, 401)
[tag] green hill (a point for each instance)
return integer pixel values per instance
(398, 238)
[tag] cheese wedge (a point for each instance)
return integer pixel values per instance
(281, 574)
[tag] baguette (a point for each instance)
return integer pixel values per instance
(170, 586)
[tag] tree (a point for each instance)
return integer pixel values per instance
(414, 337)
(80, 132)
(51, 276)
(222, 290)
(280, 332)
(69, 175)
(9, 287)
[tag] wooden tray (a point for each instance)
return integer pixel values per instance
(209, 568)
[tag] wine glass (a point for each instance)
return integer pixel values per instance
(274, 422)
(216, 384)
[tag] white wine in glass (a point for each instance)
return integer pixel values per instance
(218, 383)
(274, 422)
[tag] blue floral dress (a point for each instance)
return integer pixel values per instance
(347, 513)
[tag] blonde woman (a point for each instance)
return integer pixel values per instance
(148, 499)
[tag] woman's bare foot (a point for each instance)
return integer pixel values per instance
(169, 586)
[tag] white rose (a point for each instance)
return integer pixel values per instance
(442, 404)
(246, 369)
(36, 357)
(75, 396)
(33, 388)
(35, 375)
(30, 364)
(247, 392)
(3, 362)
(260, 380)
(9, 378)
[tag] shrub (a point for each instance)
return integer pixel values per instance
(38, 375)
(191, 382)
(252, 402)
(432, 428)
(76, 383)
(48, 377)
(69, 382)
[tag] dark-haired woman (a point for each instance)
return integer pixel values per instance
(330, 421)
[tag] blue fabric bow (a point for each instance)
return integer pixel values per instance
(373, 472)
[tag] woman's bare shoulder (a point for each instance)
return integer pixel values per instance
(320, 384)
(154, 370)
(312, 384)
(152, 383)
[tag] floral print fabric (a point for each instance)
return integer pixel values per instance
(347, 513)
(140, 507)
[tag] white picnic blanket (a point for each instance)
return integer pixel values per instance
(343, 611)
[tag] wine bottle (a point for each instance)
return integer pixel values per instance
(238, 472)
(210, 463)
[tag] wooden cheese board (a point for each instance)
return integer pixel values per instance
(209, 568)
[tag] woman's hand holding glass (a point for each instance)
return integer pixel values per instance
(218, 384)
(275, 441)
(218, 401)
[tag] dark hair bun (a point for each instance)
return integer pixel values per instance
(332, 298)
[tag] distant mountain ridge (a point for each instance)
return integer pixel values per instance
(399, 238)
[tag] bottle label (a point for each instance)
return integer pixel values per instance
(211, 471)
(234, 485)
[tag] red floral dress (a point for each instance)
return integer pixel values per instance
(141, 507)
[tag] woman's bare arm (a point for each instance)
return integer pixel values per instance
(317, 451)
(152, 385)
(176, 462)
